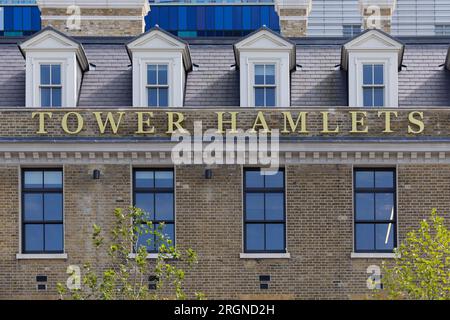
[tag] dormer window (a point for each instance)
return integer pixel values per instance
(160, 62)
(265, 60)
(373, 60)
(50, 87)
(54, 68)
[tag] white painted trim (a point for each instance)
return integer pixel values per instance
(264, 255)
(355, 255)
(21, 256)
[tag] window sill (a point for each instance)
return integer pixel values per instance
(355, 255)
(150, 256)
(44, 256)
(265, 255)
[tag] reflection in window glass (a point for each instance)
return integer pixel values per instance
(373, 85)
(157, 85)
(265, 85)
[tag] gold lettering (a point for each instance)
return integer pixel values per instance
(417, 122)
(325, 123)
(146, 122)
(171, 123)
(356, 122)
(260, 121)
(42, 116)
(80, 123)
(232, 122)
(102, 124)
(300, 119)
(387, 119)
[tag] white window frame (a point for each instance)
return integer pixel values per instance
(51, 86)
(158, 86)
(361, 81)
(252, 85)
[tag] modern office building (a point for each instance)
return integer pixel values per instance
(359, 130)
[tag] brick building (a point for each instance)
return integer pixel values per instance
(86, 122)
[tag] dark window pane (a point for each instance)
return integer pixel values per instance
(270, 97)
(163, 206)
(152, 97)
(270, 74)
(151, 74)
(385, 237)
(164, 179)
(259, 97)
(56, 74)
(45, 74)
(56, 97)
(54, 237)
(368, 97)
(364, 179)
(33, 179)
(274, 206)
(384, 179)
(384, 206)
(364, 205)
(52, 179)
(378, 74)
(162, 74)
(167, 231)
(146, 239)
(275, 180)
(378, 97)
(275, 237)
(34, 237)
(259, 74)
(53, 207)
(33, 206)
(163, 97)
(254, 179)
(45, 97)
(144, 179)
(367, 74)
(254, 206)
(145, 202)
(365, 237)
(255, 237)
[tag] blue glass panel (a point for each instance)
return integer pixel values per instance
(364, 179)
(144, 179)
(218, 18)
(259, 97)
(365, 237)
(210, 17)
(384, 179)
(163, 20)
(45, 74)
(201, 23)
(256, 17)
(259, 74)
(27, 19)
(52, 179)
(53, 207)
(164, 206)
(275, 237)
(162, 74)
(152, 97)
(378, 74)
(33, 207)
(151, 74)
(254, 179)
(146, 239)
(56, 74)
(152, 18)
(33, 179)
(34, 237)
(54, 237)
(255, 237)
(275, 180)
(246, 18)
(167, 231)
(35, 19)
(270, 74)
(367, 74)
(234, 17)
(364, 206)
(378, 97)
(2, 19)
(367, 94)
(163, 179)
(56, 97)
(173, 18)
(254, 206)
(9, 18)
(182, 18)
(270, 97)
(274, 206)
(18, 19)
(45, 97)
(163, 97)
(384, 206)
(191, 18)
(274, 20)
(145, 202)
(384, 237)
(265, 16)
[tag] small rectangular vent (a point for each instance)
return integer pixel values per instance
(41, 278)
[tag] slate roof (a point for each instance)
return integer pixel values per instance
(215, 83)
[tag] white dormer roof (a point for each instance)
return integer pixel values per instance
(372, 40)
(52, 40)
(159, 40)
(265, 40)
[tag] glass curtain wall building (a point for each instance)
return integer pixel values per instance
(19, 17)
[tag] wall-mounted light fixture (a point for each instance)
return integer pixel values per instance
(208, 174)
(96, 174)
